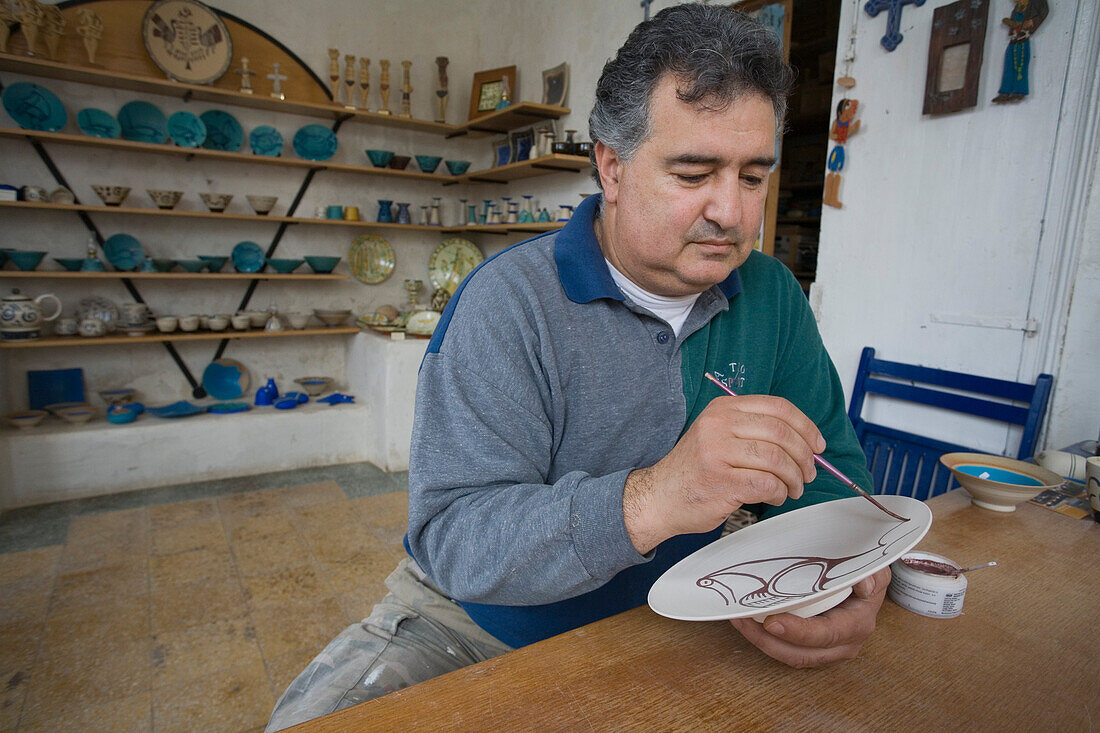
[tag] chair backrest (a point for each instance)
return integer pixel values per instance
(907, 463)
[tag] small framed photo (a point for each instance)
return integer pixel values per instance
(555, 85)
(523, 143)
(489, 89)
(502, 152)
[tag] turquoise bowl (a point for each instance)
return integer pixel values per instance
(428, 163)
(214, 262)
(380, 158)
(321, 264)
(191, 265)
(163, 265)
(458, 167)
(284, 267)
(26, 259)
(72, 264)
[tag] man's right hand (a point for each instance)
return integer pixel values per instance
(740, 450)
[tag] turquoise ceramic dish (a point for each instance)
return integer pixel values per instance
(223, 132)
(225, 379)
(458, 167)
(163, 265)
(428, 163)
(322, 264)
(285, 266)
(266, 140)
(123, 251)
(25, 259)
(191, 265)
(1001, 475)
(97, 123)
(34, 107)
(315, 142)
(248, 257)
(72, 264)
(380, 158)
(143, 122)
(228, 408)
(214, 262)
(186, 130)
(183, 408)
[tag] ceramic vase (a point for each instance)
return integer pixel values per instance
(403, 214)
(385, 212)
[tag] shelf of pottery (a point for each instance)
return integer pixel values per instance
(142, 127)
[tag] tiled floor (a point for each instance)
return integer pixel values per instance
(189, 608)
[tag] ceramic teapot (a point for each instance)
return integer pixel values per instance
(21, 317)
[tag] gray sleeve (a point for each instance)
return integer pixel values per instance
(483, 521)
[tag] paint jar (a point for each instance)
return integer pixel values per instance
(927, 593)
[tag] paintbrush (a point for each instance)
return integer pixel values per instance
(823, 463)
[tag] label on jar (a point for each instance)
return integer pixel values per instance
(933, 595)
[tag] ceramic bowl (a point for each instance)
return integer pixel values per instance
(258, 319)
(164, 199)
(296, 321)
(191, 265)
(111, 195)
(314, 386)
(999, 483)
(458, 167)
(216, 202)
(62, 195)
(167, 324)
(72, 264)
(76, 415)
(285, 266)
(66, 326)
(163, 265)
(400, 162)
(561, 148)
(262, 205)
(121, 414)
(332, 317)
(25, 259)
(380, 158)
(322, 264)
(218, 323)
(118, 396)
(214, 263)
(240, 321)
(37, 194)
(26, 418)
(428, 163)
(189, 323)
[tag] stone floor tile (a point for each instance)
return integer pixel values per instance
(301, 625)
(258, 557)
(13, 692)
(206, 534)
(28, 598)
(164, 516)
(81, 588)
(32, 534)
(120, 524)
(250, 503)
(183, 653)
(96, 628)
(310, 494)
(231, 699)
(19, 642)
(91, 552)
(193, 565)
(285, 585)
(37, 563)
(132, 714)
(362, 571)
(246, 528)
(366, 482)
(197, 603)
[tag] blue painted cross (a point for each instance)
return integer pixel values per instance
(893, 37)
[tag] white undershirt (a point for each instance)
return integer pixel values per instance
(673, 310)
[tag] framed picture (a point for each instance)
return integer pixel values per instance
(955, 56)
(555, 85)
(502, 152)
(488, 90)
(522, 143)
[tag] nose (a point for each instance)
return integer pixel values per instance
(726, 205)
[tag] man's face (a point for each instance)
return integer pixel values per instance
(685, 211)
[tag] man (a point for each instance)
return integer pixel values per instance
(566, 449)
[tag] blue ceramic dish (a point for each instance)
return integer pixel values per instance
(186, 130)
(315, 142)
(321, 264)
(428, 163)
(72, 264)
(380, 158)
(183, 408)
(143, 122)
(285, 266)
(121, 414)
(24, 259)
(191, 265)
(223, 132)
(266, 140)
(1000, 475)
(458, 167)
(227, 408)
(123, 251)
(34, 107)
(97, 123)
(214, 262)
(222, 380)
(248, 257)
(163, 265)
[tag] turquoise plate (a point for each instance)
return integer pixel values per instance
(34, 107)
(186, 130)
(266, 140)
(183, 408)
(223, 132)
(123, 251)
(248, 257)
(225, 379)
(315, 142)
(97, 123)
(143, 122)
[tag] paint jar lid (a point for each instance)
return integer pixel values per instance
(918, 587)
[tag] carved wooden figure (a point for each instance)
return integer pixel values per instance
(54, 30)
(91, 30)
(406, 91)
(1027, 16)
(349, 81)
(7, 17)
(31, 17)
(384, 87)
(334, 74)
(441, 88)
(246, 75)
(843, 127)
(364, 82)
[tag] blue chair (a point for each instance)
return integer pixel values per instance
(908, 464)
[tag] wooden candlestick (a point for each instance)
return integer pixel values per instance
(364, 82)
(441, 89)
(406, 91)
(349, 81)
(334, 74)
(384, 87)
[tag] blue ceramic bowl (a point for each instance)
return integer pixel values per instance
(72, 264)
(214, 262)
(119, 414)
(458, 167)
(380, 158)
(25, 259)
(428, 163)
(284, 266)
(191, 265)
(163, 265)
(322, 264)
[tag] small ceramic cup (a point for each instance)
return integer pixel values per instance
(167, 324)
(351, 213)
(189, 323)
(217, 323)
(66, 327)
(62, 195)
(334, 211)
(320, 211)
(92, 327)
(34, 193)
(241, 321)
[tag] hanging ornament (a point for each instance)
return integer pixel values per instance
(893, 36)
(1027, 16)
(843, 127)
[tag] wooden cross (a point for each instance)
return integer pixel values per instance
(277, 79)
(893, 36)
(246, 75)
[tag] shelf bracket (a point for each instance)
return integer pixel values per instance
(187, 95)
(478, 179)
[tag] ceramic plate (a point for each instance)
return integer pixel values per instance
(266, 140)
(183, 408)
(371, 258)
(188, 41)
(225, 379)
(315, 142)
(802, 562)
(451, 262)
(97, 307)
(223, 132)
(123, 251)
(226, 408)
(97, 123)
(34, 107)
(186, 130)
(143, 122)
(248, 257)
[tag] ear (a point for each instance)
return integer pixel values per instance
(610, 166)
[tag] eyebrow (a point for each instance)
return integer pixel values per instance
(695, 159)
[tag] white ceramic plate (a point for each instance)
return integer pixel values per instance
(803, 562)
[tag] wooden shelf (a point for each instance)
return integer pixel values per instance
(528, 169)
(53, 341)
(510, 118)
(68, 274)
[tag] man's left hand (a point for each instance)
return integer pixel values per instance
(823, 640)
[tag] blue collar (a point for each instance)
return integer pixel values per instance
(581, 265)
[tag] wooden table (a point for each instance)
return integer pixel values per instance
(1024, 655)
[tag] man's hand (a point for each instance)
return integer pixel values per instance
(820, 641)
(740, 450)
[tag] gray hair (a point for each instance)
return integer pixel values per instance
(717, 54)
